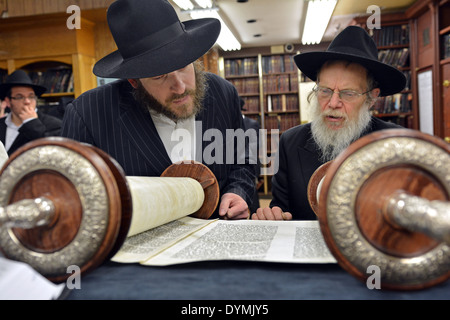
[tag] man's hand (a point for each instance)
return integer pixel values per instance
(27, 112)
(274, 213)
(233, 207)
(3, 106)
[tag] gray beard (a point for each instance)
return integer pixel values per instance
(332, 142)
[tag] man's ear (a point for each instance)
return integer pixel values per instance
(7, 101)
(133, 83)
(375, 93)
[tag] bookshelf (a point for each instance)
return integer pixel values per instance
(444, 61)
(430, 21)
(269, 85)
(393, 43)
(63, 62)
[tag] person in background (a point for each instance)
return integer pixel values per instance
(24, 122)
(163, 91)
(349, 78)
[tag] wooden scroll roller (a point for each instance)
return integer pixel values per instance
(64, 203)
(384, 202)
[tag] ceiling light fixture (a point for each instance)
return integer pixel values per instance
(184, 4)
(227, 41)
(318, 16)
(205, 4)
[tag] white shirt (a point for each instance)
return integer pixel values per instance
(178, 137)
(12, 131)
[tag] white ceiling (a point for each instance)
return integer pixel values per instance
(281, 21)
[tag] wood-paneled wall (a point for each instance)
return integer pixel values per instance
(20, 8)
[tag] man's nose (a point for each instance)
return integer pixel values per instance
(177, 84)
(335, 100)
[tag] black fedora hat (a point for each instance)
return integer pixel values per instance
(152, 41)
(354, 44)
(19, 78)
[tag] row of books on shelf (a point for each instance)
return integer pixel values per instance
(446, 46)
(55, 80)
(246, 85)
(391, 35)
(272, 103)
(241, 67)
(397, 103)
(281, 122)
(249, 66)
(395, 57)
(407, 74)
(278, 64)
(251, 104)
(284, 102)
(280, 83)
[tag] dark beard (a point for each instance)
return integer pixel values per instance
(148, 102)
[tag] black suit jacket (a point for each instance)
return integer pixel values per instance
(298, 159)
(44, 126)
(109, 118)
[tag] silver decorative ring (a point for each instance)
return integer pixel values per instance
(94, 202)
(340, 208)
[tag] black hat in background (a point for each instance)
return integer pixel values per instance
(354, 44)
(152, 41)
(19, 78)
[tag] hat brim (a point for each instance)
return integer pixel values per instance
(200, 36)
(390, 80)
(4, 88)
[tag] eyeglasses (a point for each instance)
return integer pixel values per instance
(21, 97)
(344, 95)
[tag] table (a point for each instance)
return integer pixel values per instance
(236, 280)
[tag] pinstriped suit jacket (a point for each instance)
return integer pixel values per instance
(109, 118)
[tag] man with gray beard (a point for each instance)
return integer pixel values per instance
(349, 78)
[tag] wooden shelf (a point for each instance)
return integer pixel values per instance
(444, 31)
(44, 40)
(444, 61)
(58, 94)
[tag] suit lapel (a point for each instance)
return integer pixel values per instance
(3, 130)
(308, 157)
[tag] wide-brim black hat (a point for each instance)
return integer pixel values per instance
(152, 41)
(354, 44)
(19, 78)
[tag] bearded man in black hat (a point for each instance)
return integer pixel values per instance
(164, 108)
(25, 122)
(349, 78)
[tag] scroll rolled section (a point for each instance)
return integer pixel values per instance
(158, 200)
